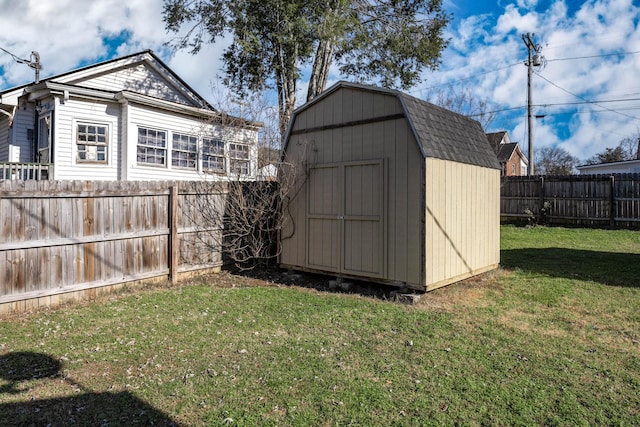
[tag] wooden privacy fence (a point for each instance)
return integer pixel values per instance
(586, 200)
(68, 239)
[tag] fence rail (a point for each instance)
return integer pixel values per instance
(61, 237)
(585, 200)
(25, 171)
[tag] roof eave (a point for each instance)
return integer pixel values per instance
(126, 96)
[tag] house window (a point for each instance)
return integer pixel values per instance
(152, 147)
(184, 153)
(513, 169)
(239, 158)
(212, 155)
(91, 140)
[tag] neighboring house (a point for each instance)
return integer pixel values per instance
(130, 118)
(396, 190)
(512, 160)
(268, 172)
(629, 166)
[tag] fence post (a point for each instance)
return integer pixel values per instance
(174, 249)
(612, 207)
(541, 207)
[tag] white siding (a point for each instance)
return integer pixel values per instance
(145, 117)
(66, 117)
(139, 79)
(629, 166)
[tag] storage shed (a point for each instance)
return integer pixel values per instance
(393, 190)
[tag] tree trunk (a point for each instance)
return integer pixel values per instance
(320, 70)
(286, 86)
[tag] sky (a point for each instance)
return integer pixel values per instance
(588, 88)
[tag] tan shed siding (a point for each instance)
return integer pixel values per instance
(390, 141)
(346, 105)
(292, 239)
(462, 221)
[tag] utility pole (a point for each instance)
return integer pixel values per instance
(533, 60)
(33, 62)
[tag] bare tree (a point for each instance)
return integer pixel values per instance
(238, 217)
(461, 99)
(627, 149)
(555, 161)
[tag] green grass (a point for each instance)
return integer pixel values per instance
(551, 339)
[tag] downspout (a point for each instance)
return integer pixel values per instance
(36, 131)
(123, 139)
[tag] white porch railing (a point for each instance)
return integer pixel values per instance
(26, 171)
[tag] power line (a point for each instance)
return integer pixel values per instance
(593, 102)
(559, 104)
(579, 97)
(465, 78)
(34, 62)
(518, 63)
(594, 56)
(15, 57)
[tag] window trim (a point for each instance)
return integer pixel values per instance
(78, 143)
(234, 158)
(165, 149)
(221, 143)
(193, 152)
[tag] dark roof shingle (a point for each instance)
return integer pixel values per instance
(506, 150)
(441, 133)
(444, 134)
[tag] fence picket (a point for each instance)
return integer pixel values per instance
(74, 237)
(588, 200)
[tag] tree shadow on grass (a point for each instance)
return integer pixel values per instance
(80, 407)
(608, 268)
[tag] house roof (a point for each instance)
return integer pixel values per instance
(505, 151)
(78, 83)
(635, 163)
(497, 138)
(147, 56)
(440, 133)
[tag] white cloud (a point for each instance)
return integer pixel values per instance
(512, 20)
(69, 33)
(486, 54)
(595, 28)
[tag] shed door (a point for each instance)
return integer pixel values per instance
(345, 218)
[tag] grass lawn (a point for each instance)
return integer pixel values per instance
(550, 339)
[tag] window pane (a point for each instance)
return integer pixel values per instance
(239, 167)
(151, 147)
(185, 150)
(92, 143)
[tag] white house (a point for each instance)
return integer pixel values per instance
(628, 166)
(130, 118)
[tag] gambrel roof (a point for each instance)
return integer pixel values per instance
(440, 133)
(446, 135)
